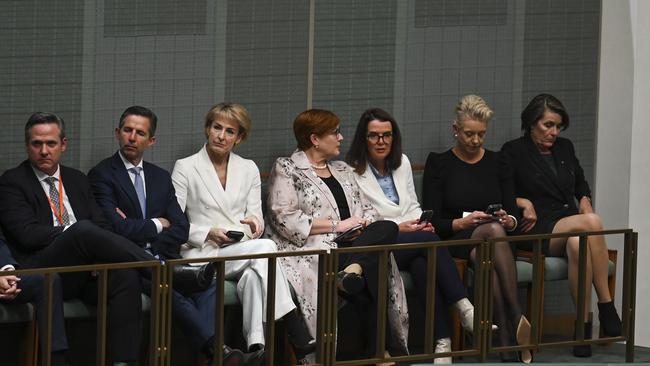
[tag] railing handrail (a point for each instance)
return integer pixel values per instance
(326, 324)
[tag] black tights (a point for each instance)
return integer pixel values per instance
(507, 310)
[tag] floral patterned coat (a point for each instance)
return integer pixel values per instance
(296, 197)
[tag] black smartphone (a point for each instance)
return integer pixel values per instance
(234, 235)
(348, 234)
(491, 209)
(426, 216)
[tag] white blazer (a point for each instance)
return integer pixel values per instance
(408, 207)
(207, 204)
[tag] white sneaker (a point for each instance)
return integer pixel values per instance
(442, 345)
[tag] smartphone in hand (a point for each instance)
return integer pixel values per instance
(493, 208)
(234, 235)
(425, 217)
(349, 233)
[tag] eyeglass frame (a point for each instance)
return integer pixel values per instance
(375, 137)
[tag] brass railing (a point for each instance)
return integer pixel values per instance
(160, 346)
(102, 271)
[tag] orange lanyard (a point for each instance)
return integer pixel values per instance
(58, 212)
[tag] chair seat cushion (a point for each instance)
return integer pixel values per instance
(556, 268)
(15, 313)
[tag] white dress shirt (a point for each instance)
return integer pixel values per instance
(46, 188)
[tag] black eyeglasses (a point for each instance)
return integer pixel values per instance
(374, 137)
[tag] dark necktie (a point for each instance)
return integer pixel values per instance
(56, 201)
(139, 189)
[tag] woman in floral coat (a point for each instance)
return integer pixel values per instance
(311, 201)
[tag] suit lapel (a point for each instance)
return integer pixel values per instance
(43, 206)
(124, 181)
(210, 179)
(537, 160)
(370, 181)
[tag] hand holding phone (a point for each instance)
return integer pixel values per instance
(493, 208)
(234, 235)
(425, 217)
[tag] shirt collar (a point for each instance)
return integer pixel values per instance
(375, 172)
(41, 176)
(127, 164)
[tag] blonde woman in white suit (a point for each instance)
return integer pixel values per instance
(220, 192)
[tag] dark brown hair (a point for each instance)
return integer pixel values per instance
(534, 111)
(357, 156)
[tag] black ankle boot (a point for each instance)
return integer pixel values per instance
(585, 349)
(609, 319)
(303, 343)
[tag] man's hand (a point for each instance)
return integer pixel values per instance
(256, 228)
(164, 222)
(9, 287)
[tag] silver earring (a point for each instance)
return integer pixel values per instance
(455, 135)
(316, 146)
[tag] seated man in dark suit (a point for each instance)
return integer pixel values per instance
(139, 200)
(50, 219)
(30, 288)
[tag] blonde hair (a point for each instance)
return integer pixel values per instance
(233, 112)
(473, 107)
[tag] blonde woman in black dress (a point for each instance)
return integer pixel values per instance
(459, 185)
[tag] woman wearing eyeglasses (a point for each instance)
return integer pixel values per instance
(312, 199)
(459, 185)
(384, 175)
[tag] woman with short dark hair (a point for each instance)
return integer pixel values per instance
(548, 181)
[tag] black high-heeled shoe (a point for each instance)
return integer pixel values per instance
(609, 319)
(350, 282)
(298, 333)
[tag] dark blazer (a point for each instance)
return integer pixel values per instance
(26, 216)
(553, 196)
(5, 254)
(113, 188)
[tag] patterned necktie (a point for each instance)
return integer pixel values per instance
(139, 189)
(56, 202)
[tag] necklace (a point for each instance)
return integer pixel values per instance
(319, 167)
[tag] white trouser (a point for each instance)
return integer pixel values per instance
(251, 276)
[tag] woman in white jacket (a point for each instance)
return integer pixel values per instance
(386, 180)
(220, 193)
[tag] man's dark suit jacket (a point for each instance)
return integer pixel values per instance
(5, 254)
(553, 196)
(113, 188)
(25, 213)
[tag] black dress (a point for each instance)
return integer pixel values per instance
(452, 186)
